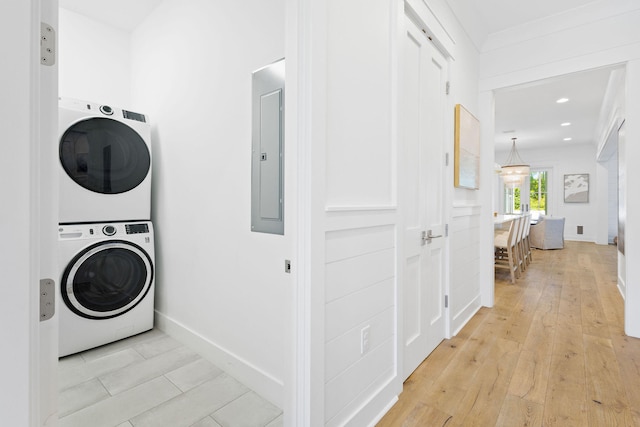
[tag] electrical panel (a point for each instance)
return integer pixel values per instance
(267, 160)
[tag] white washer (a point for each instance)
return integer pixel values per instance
(105, 163)
(106, 283)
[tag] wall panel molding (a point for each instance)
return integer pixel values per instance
(360, 289)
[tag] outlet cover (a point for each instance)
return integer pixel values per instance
(365, 342)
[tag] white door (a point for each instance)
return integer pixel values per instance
(423, 109)
(28, 218)
(48, 217)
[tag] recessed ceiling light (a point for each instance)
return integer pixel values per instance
(567, 139)
(562, 100)
(565, 124)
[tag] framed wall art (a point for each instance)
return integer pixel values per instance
(466, 164)
(576, 188)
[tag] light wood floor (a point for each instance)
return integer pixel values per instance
(551, 352)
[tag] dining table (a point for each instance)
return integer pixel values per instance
(501, 219)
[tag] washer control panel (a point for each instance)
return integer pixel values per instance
(109, 230)
(100, 231)
(136, 228)
(106, 110)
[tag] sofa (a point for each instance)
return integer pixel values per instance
(548, 233)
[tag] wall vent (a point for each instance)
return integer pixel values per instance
(580, 229)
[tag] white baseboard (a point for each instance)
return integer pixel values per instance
(463, 316)
(371, 410)
(580, 238)
(384, 411)
(257, 380)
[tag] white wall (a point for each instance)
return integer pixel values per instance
(359, 211)
(219, 286)
(566, 160)
(632, 224)
(611, 116)
(357, 133)
(95, 60)
(602, 33)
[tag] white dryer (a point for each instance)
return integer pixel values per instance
(106, 285)
(105, 163)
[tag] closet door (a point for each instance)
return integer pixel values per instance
(422, 110)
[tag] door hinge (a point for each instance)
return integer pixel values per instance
(446, 159)
(446, 301)
(446, 230)
(47, 299)
(47, 44)
(447, 88)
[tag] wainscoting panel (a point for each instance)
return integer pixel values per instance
(360, 294)
(464, 294)
(354, 274)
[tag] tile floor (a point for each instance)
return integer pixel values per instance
(153, 380)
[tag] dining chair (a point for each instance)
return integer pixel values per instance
(519, 248)
(527, 241)
(522, 246)
(506, 248)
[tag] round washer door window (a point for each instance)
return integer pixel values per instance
(104, 155)
(107, 279)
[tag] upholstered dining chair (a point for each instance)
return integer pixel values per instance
(548, 234)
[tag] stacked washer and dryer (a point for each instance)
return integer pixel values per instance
(106, 241)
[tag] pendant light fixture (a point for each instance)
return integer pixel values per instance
(514, 171)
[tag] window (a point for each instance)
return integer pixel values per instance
(511, 200)
(538, 196)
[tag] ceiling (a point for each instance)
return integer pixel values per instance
(483, 17)
(531, 114)
(478, 17)
(528, 112)
(123, 14)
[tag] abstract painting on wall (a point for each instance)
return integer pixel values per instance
(576, 188)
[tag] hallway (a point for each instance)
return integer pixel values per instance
(551, 352)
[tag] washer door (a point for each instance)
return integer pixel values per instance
(107, 279)
(104, 155)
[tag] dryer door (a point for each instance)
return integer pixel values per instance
(104, 155)
(107, 279)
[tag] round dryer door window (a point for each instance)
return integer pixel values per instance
(107, 279)
(104, 155)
